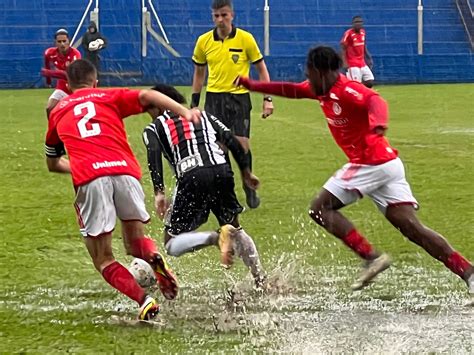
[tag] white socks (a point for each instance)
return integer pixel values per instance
(189, 242)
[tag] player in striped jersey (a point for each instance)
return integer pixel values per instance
(205, 183)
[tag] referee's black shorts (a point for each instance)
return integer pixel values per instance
(199, 192)
(232, 109)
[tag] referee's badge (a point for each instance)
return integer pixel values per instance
(235, 58)
(336, 108)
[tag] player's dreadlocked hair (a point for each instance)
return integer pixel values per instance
(324, 59)
(81, 73)
(171, 92)
(217, 4)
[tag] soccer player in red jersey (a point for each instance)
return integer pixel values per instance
(355, 53)
(358, 118)
(59, 57)
(88, 124)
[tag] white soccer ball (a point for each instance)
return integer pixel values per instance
(142, 272)
(95, 45)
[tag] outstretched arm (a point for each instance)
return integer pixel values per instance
(157, 99)
(47, 66)
(291, 90)
(54, 73)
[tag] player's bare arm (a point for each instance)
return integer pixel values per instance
(198, 82)
(58, 165)
(47, 66)
(155, 165)
(161, 204)
(263, 76)
(157, 99)
(280, 88)
(368, 58)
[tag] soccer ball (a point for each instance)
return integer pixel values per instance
(142, 272)
(96, 45)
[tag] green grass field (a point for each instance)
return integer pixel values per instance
(52, 300)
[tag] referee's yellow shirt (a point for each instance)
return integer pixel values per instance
(226, 59)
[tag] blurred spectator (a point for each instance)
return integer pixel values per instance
(92, 42)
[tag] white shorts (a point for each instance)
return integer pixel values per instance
(58, 95)
(99, 202)
(385, 184)
(360, 74)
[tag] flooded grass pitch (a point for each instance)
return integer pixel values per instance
(53, 301)
(303, 310)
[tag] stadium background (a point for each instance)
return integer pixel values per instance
(27, 28)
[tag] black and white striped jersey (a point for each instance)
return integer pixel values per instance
(187, 145)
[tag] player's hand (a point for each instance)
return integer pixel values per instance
(161, 205)
(193, 115)
(241, 81)
(250, 180)
(267, 109)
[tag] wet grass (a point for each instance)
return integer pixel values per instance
(51, 299)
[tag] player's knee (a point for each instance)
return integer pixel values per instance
(316, 212)
(171, 250)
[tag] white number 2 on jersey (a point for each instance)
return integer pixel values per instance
(90, 113)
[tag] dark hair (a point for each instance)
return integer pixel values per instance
(81, 73)
(170, 91)
(61, 31)
(324, 59)
(356, 17)
(217, 4)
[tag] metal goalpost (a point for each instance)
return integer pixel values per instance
(146, 7)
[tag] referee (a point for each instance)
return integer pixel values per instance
(228, 52)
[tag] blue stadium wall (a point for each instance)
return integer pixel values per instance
(27, 27)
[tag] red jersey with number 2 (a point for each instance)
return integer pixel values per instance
(90, 124)
(355, 47)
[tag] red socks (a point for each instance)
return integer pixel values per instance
(121, 279)
(144, 248)
(358, 244)
(457, 264)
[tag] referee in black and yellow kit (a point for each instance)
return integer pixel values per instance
(228, 52)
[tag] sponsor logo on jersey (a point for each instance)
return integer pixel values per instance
(337, 122)
(336, 108)
(81, 98)
(109, 164)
